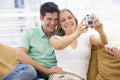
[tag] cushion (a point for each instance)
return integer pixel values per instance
(108, 66)
(66, 76)
(92, 70)
(7, 59)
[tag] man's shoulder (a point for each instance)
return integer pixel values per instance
(32, 29)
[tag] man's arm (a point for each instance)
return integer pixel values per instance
(115, 51)
(22, 56)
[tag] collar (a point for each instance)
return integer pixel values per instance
(42, 34)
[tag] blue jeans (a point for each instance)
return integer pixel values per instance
(24, 72)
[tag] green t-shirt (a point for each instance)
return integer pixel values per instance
(38, 45)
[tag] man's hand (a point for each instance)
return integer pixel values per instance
(55, 69)
(115, 52)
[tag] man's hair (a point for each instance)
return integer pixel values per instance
(49, 7)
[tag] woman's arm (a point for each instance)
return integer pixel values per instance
(61, 43)
(102, 39)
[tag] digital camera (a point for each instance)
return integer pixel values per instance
(89, 19)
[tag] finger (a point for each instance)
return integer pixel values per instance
(92, 26)
(110, 50)
(84, 31)
(119, 55)
(113, 50)
(60, 71)
(97, 23)
(83, 28)
(82, 21)
(116, 50)
(115, 56)
(96, 20)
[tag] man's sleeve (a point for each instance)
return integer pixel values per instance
(25, 39)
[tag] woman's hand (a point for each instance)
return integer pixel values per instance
(98, 26)
(82, 28)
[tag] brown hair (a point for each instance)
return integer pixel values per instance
(60, 31)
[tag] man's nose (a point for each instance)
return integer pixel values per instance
(53, 22)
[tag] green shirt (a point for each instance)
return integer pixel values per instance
(39, 47)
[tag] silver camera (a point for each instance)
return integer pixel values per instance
(89, 19)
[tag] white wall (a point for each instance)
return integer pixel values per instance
(108, 11)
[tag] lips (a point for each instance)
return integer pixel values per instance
(51, 28)
(69, 25)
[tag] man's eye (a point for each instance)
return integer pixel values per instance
(49, 19)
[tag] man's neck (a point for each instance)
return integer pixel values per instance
(48, 34)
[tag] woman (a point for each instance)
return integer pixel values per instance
(73, 43)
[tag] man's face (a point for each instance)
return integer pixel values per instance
(50, 21)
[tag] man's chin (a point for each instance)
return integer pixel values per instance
(51, 31)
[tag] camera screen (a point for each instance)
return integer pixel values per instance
(90, 22)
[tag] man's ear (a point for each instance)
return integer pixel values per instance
(41, 18)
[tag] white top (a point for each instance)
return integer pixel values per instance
(76, 60)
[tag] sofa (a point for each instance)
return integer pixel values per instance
(103, 66)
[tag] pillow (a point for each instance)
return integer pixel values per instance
(108, 66)
(7, 59)
(92, 70)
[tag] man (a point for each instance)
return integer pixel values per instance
(35, 54)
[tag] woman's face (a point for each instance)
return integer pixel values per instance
(67, 22)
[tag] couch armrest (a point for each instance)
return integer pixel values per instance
(108, 66)
(93, 69)
(7, 59)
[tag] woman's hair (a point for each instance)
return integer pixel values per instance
(60, 31)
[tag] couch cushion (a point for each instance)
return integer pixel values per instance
(108, 66)
(7, 59)
(92, 70)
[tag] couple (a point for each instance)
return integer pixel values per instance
(70, 51)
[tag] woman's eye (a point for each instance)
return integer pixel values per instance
(69, 18)
(63, 20)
